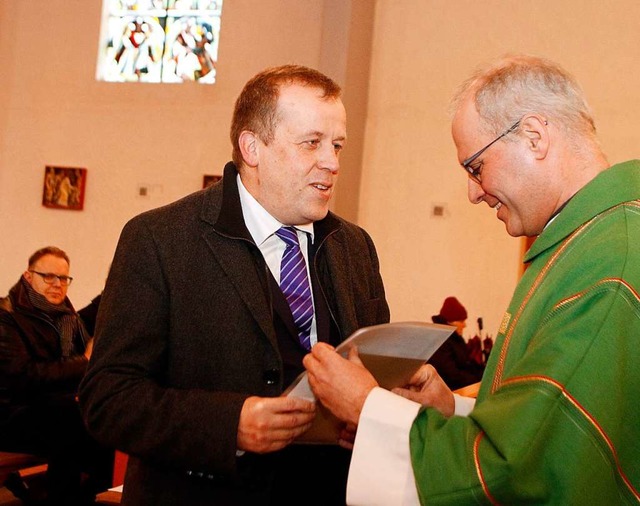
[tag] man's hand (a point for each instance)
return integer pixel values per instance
(341, 385)
(427, 387)
(268, 424)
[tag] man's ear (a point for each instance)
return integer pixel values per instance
(248, 142)
(28, 276)
(536, 130)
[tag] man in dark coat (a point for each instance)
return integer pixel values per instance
(195, 340)
(44, 351)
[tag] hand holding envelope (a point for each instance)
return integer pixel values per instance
(387, 356)
(346, 397)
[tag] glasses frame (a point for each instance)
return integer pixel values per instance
(64, 280)
(474, 174)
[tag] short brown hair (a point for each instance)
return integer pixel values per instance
(48, 250)
(256, 107)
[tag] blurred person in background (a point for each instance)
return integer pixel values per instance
(453, 360)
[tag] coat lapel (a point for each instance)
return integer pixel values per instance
(233, 249)
(334, 270)
(247, 274)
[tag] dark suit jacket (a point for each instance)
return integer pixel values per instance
(185, 334)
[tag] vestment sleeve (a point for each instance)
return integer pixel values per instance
(380, 472)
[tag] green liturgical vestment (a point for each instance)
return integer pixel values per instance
(557, 420)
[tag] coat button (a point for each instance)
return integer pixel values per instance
(271, 376)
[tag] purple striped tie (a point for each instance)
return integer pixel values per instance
(294, 284)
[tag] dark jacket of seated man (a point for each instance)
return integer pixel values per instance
(42, 361)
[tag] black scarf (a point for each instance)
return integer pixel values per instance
(62, 315)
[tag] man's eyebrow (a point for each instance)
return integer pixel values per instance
(317, 133)
(313, 133)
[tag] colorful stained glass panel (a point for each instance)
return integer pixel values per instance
(154, 41)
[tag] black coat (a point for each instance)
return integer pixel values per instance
(32, 369)
(185, 333)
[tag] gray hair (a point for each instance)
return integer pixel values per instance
(517, 85)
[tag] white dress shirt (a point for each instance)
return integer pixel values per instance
(262, 227)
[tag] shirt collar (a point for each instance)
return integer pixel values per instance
(259, 222)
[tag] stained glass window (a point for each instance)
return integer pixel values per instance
(159, 41)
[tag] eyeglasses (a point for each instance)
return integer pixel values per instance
(50, 278)
(474, 173)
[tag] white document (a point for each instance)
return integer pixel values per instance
(392, 352)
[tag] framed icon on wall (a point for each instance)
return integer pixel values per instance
(64, 187)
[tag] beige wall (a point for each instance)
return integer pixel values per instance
(167, 136)
(422, 49)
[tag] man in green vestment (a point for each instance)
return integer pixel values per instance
(557, 420)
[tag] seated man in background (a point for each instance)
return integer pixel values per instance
(452, 360)
(44, 351)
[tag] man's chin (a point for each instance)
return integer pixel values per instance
(511, 230)
(317, 215)
(514, 232)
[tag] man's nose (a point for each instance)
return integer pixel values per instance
(329, 159)
(474, 191)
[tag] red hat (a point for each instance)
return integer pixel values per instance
(452, 310)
